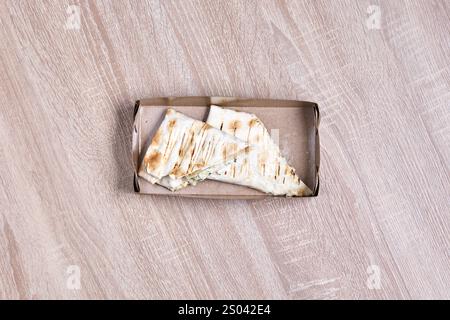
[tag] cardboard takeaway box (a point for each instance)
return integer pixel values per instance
(294, 123)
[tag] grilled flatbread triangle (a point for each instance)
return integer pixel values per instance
(263, 167)
(184, 151)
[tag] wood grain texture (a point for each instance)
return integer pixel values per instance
(66, 196)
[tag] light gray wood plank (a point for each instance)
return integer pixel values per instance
(66, 197)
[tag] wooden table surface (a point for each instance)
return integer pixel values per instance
(71, 225)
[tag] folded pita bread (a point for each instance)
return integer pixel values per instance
(184, 151)
(263, 167)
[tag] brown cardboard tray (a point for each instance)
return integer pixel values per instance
(295, 123)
